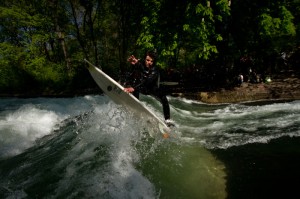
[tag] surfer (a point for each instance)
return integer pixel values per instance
(144, 79)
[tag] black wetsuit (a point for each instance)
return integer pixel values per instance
(146, 81)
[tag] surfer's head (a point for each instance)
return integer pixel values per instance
(148, 61)
(150, 58)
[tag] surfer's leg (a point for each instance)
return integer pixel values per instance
(166, 107)
(164, 101)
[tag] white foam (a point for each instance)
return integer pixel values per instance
(21, 128)
(109, 132)
(237, 124)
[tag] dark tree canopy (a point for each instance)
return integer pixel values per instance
(43, 42)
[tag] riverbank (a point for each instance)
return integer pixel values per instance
(281, 88)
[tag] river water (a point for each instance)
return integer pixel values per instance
(89, 147)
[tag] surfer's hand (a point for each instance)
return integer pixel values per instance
(132, 59)
(129, 90)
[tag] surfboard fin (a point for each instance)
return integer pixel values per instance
(166, 135)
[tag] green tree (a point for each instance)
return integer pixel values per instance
(182, 30)
(45, 41)
(277, 30)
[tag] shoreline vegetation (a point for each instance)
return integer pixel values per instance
(207, 47)
(280, 88)
(287, 88)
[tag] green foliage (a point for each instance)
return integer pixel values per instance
(47, 74)
(145, 40)
(200, 28)
(10, 60)
(274, 27)
(276, 31)
(148, 34)
(44, 42)
(191, 30)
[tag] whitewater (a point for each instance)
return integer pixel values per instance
(90, 147)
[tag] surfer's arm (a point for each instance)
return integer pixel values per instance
(147, 82)
(133, 60)
(133, 81)
(131, 89)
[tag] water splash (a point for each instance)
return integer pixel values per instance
(224, 126)
(91, 147)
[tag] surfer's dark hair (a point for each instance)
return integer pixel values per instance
(152, 54)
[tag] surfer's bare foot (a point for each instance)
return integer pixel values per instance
(166, 135)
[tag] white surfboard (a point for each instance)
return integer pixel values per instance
(116, 92)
